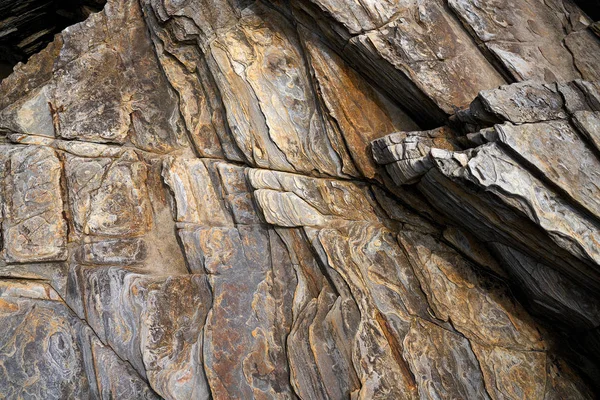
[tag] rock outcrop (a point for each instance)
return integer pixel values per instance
(512, 155)
(324, 199)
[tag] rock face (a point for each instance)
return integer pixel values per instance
(324, 199)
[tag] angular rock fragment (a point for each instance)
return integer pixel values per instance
(252, 75)
(407, 155)
(195, 196)
(109, 197)
(100, 87)
(529, 101)
(560, 156)
(33, 228)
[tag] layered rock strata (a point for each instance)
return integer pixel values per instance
(300, 199)
(526, 158)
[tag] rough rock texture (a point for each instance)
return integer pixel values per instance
(525, 182)
(325, 199)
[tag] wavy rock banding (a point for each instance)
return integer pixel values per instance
(324, 199)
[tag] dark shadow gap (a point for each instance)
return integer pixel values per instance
(590, 7)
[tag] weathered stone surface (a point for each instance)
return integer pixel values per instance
(395, 283)
(47, 350)
(436, 265)
(195, 196)
(33, 228)
(528, 101)
(41, 357)
(251, 199)
(96, 62)
(564, 225)
(552, 148)
(116, 378)
(533, 48)
(422, 55)
(584, 47)
(155, 323)
(355, 108)
(434, 352)
(588, 123)
(529, 189)
(249, 274)
(110, 196)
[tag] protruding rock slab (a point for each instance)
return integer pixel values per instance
(526, 184)
(34, 228)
